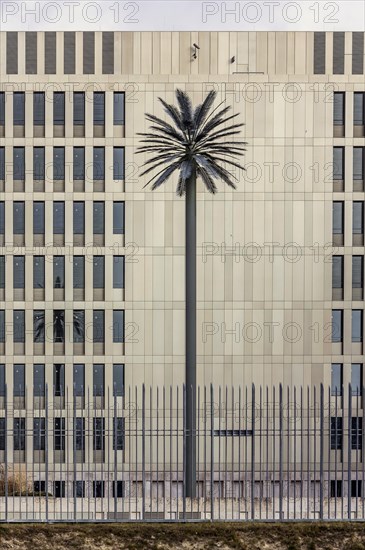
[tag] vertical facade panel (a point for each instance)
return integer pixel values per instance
(50, 52)
(89, 53)
(69, 49)
(31, 52)
(338, 52)
(319, 53)
(12, 53)
(357, 53)
(108, 52)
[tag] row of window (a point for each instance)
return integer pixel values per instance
(79, 388)
(337, 433)
(357, 277)
(59, 217)
(338, 53)
(356, 325)
(338, 221)
(59, 103)
(337, 379)
(358, 168)
(58, 169)
(339, 112)
(97, 489)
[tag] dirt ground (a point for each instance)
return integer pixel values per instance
(225, 536)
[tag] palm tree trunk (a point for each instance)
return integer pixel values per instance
(190, 337)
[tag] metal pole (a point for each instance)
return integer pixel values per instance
(321, 453)
(280, 452)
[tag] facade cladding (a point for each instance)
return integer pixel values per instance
(92, 264)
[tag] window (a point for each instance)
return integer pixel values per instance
(79, 489)
(98, 272)
(79, 271)
(118, 271)
(2, 326)
(337, 273)
(38, 271)
(59, 163)
(98, 219)
(2, 108)
(69, 52)
(356, 325)
(59, 489)
(59, 326)
(79, 218)
(3, 434)
(336, 488)
(356, 433)
(356, 379)
(2, 218)
(39, 381)
(357, 271)
(89, 52)
(39, 326)
(98, 489)
(58, 218)
(118, 434)
(79, 326)
(336, 379)
(79, 108)
(99, 108)
(336, 433)
(337, 325)
(359, 108)
(19, 163)
(356, 488)
(80, 434)
(118, 163)
(39, 108)
(39, 163)
(19, 108)
(39, 487)
(339, 108)
(319, 53)
(19, 272)
(59, 434)
(59, 380)
(59, 108)
(19, 326)
(338, 52)
(58, 272)
(118, 380)
(2, 272)
(12, 53)
(338, 218)
(358, 164)
(39, 434)
(19, 380)
(99, 164)
(99, 434)
(108, 52)
(118, 326)
(98, 380)
(118, 489)
(358, 218)
(79, 380)
(357, 53)
(118, 218)
(19, 434)
(119, 114)
(38, 218)
(79, 163)
(338, 163)
(50, 52)
(2, 163)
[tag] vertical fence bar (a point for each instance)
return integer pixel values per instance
(253, 454)
(321, 453)
(211, 453)
(349, 445)
(6, 481)
(46, 451)
(281, 452)
(143, 451)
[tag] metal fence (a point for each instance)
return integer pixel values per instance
(262, 454)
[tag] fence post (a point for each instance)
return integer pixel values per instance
(280, 452)
(253, 455)
(143, 450)
(349, 441)
(211, 453)
(46, 451)
(321, 452)
(6, 453)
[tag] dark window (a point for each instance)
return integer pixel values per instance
(39, 108)
(79, 325)
(2, 272)
(39, 326)
(118, 380)
(358, 163)
(118, 326)
(118, 271)
(337, 325)
(38, 218)
(59, 108)
(337, 271)
(19, 434)
(358, 218)
(118, 489)
(59, 380)
(118, 218)
(3, 434)
(79, 163)
(356, 488)
(339, 108)
(38, 271)
(356, 433)
(98, 380)
(12, 53)
(79, 380)
(356, 379)
(19, 380)
(69, 52)
(89, 52)
(2, 380)
(99, 163)
(2, 218)
(98, 489)
(119, 113)
(79, 108)
(108, 52)
(338, 52)
(338, 163)
(2, 326)
(39, 163)
(59, 434)
(338, 218)
(58, 272)
(59, 218)
(99, 434)
(357, 271)
(39, 487)
(118, 434)
(18, 218)
(79, 271)
(19, 272)
(98, 218)
(336, 433)
(59, 325)
(39, 381)
(50, 52)
(19, 163)
(79, 489)
(19, 108)
(319, 53)
(59, 163)
(2, 108)
(39, 434)
(80, 434)
(357, 53)
(59, 489)
(359, 108)
(336, 488)
(118, 163)
(2, 163)
(98, 272)
(99, 108)
(30, 52)
(79, 218)
(98, 326)
(357, 325)
(19, 326)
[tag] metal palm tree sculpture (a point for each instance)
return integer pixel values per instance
(195, 145)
